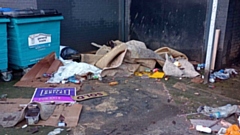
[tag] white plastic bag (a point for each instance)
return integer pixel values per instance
(71, 69)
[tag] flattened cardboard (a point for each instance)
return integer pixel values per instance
(70, 113)
(10, 113)
(89, 96)
(34, 78)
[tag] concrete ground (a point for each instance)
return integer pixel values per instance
(138, 106)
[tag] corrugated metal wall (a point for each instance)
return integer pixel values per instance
(178, 24)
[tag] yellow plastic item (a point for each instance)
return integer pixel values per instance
(157, 75)
(233, 130)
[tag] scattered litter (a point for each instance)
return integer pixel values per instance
(176, 63)
(197, 80)
(34, 77)
(157, 75)
(203, 129)
(67, 52)
(68, 130)
(155, 70)
(230, 71)
(11, 114)
(119, 115)
(214, 125)
(222, 131)
(113, 83)
(61, 122)
(70, 115)
(200, 66)
(73, 79)
(32, 115)
(148, 70)
(222, 74)
(47, 75)
(71, 69)
(233, 130)
(212, 78)
(186, 69)
(89, 96)
(3, 97)
(196, 93)
(187, 114)
(24, 126)
(211, 86)
(219, 112)
(173, 54)
(225, 123)
(153, 74)
(55, 131)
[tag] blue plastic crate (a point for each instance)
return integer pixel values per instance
(31, 39)
(3, 41)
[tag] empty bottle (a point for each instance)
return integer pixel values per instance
(220, 114)
(74, 80)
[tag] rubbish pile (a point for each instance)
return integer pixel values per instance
(215, 122)
(48, 106)
(56, 82)
(133, 57)
(222, 74)
(56, 107)
(120, 59)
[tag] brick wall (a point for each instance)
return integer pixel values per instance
(228, 21)
(221, 23)
(19, 4)
(235, 35)
(86, 21)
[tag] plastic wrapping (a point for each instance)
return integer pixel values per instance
(73, 68)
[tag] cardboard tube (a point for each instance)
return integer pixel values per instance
(214, 54)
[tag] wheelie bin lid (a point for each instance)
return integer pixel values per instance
(5, 9)
(31, 13)
(3, 18)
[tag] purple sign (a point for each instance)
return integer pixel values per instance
(57, 95)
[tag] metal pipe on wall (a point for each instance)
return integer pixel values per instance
(210, 41)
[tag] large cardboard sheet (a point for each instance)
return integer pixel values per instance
(34, 78)
(70, 113)
(11, 113)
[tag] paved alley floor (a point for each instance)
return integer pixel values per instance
(138, 106)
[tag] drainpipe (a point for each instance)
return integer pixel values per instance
(210, 41)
